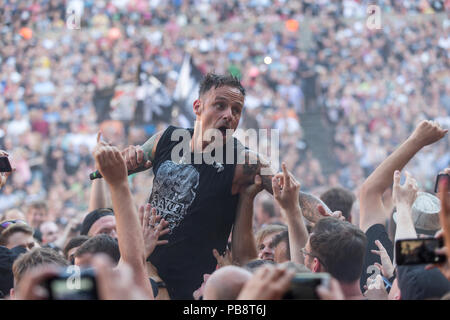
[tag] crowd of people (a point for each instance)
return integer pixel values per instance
(373, 87)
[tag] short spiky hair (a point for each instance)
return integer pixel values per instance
(215, 80)
(101, 243)
(340, 246)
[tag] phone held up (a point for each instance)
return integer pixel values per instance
(440, 176)
(418, 251)
(72, 283)
(303, 286)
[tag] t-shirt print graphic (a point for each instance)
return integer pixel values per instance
(174, 190)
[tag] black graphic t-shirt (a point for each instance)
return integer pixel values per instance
(197, 202)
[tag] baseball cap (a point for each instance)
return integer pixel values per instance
(92, 217)
(425, 213)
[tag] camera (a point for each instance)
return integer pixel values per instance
(418, 251)
(303, 286)
(72, 283)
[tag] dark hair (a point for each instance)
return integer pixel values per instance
(101, 243)
(214, 80)
(73, 243)
(268, 207)
(35, 258)
(282, 237)
(253, 265)
(339, 199)
(340, 247)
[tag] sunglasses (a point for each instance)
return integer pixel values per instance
(7, 223)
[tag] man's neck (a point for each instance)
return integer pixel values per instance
(352, 291)
(197, 142)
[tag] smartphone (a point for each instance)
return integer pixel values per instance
(438, 178)
(418, 251)
(304, 285)
(73, 284)
(5, 166)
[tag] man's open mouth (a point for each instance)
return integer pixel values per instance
(223, 130)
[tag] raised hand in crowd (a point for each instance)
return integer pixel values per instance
(404, 197)
(373, 210)
(285, 191)
(112, 166)
(243, 244)
(427, 132)
(135, 157)
(153, 227)
(223, 260)
(268, 283)
(386, 267)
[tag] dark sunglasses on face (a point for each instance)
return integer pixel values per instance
(6, 224)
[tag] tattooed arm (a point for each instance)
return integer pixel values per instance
(135, 155)
(253, 164)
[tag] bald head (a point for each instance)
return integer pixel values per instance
(226, 283)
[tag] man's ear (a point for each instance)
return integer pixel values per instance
(316, 265)
(197, 107)
(11, 294)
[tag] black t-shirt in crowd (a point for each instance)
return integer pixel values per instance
(197, 202)
(375, 232)
(416, 283)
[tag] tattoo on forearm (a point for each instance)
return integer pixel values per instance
(308, 204)
(148, 147)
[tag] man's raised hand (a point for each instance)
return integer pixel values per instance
(428, 132)
(386, 267)
(109, 161)
(134, 158)
(404, 194)
(223, 260)
(285, 190)
(153, 226)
